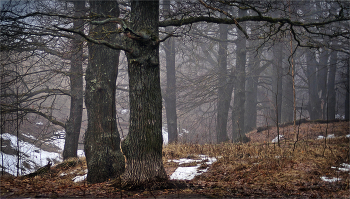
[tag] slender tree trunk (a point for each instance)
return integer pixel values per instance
(252, 94)
(239, 93)
(170, 95)
(224, 95)
(73, 125)
(102, 142)
(347, 91)
(322, 80)
(277, 82)
(314, 101)
(143, 144)
(331, 101)
(287, 96)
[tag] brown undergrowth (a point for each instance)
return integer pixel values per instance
(254, 169)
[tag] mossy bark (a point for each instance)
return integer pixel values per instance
(143, 144)
(102, 142)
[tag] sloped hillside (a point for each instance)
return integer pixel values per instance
(308, 167)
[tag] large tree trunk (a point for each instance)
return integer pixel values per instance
(239, 93)
(331, 101)
(170, 95)
(143, 144)
(224, 94)
(314, 106)
(102, 142)
(73, 124)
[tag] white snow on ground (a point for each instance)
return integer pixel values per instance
(327, 179)
(80, 153)
(79, 178)
(344, 167)
(188, 173)
(29, 153)
(275, 140)
(165, 136)
(328, 136)
(348, 136)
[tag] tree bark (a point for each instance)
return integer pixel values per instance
(277, 82)
(322, 80)
(170, 94)
(252, 94)
(102, 142)
(73, 124)
(314, 106)
(287, 96)
(239, 92)
(143, 144)
(347, 89)
(224, 91)
(331, 101)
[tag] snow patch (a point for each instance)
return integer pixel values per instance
(344, 167)
(29, 153)
(275, 140)
(165, 136)
(320, 137)
(79, 178)
(327, 179)
(188, 173)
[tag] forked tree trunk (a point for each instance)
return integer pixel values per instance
(143, 144)
(102, 142)
(73, 125)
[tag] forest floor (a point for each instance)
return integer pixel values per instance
(302, 165)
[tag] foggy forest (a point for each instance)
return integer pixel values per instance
(177, 99)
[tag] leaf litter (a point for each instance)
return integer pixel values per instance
(254, 169)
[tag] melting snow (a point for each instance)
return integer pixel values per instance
(29, 153)
(188, 173)
(79, 178)
(165, 136)
(275, 140)
(328, 136)
(344, 167)
(327, 179)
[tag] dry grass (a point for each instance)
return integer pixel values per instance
(294, 168)
(255, 169)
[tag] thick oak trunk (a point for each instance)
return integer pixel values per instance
(102, 142)
(238, 133)
(143, 144)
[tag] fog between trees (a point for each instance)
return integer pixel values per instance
(207, 71)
